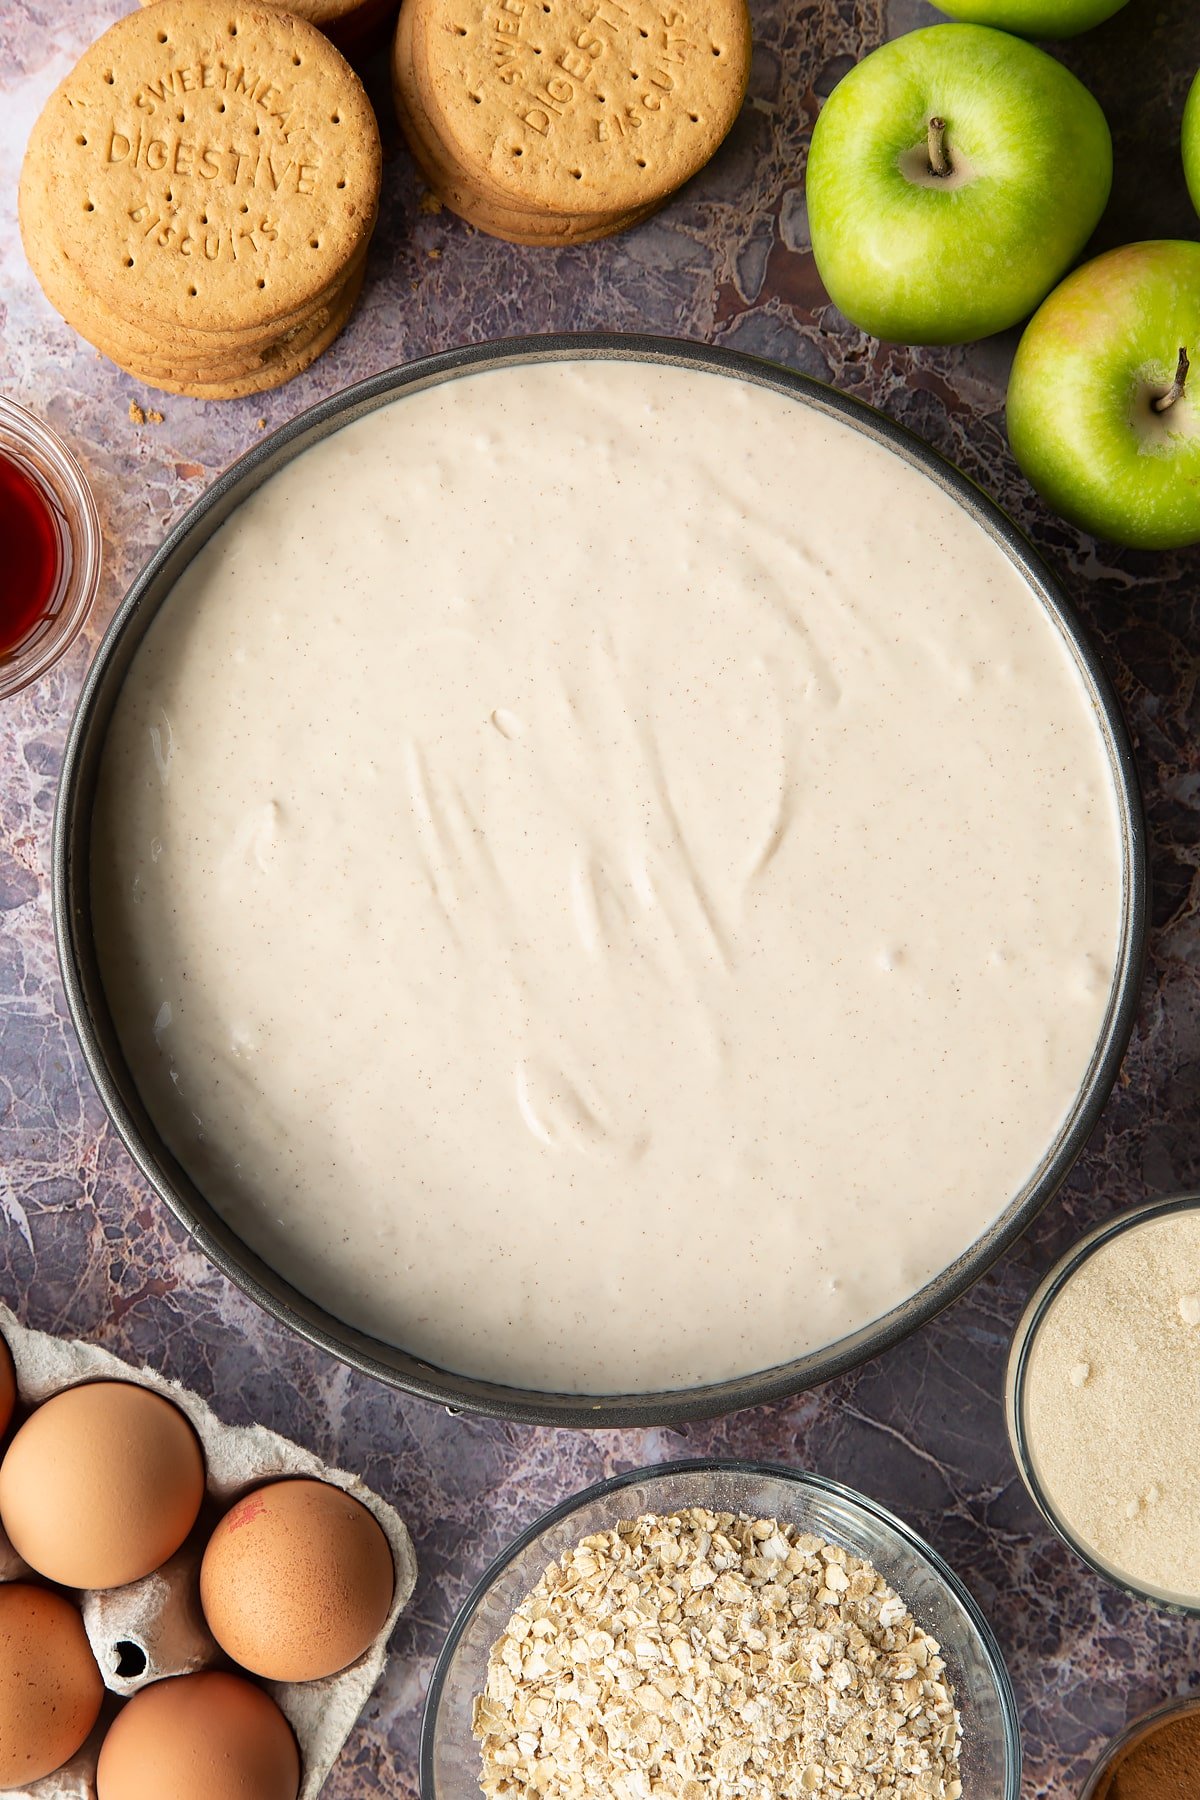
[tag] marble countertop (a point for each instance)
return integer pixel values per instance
(86, 1250)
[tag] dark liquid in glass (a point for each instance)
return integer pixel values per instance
(29, 555)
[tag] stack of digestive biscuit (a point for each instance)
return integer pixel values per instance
(559, 121)
(198, 195)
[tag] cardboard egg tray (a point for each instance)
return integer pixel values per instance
(154, 1628)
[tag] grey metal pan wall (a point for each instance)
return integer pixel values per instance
(89, 1007)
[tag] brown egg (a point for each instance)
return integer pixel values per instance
(296, 1581)
(199, 1737)
(8, 1387)
(50, 1687)
(101, 1484)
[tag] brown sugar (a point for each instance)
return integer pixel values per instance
(1112, 1398)
(1162, 1765)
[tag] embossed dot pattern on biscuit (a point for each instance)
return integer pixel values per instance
(353, 25)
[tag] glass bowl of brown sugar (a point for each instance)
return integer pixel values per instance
(1103, 1398)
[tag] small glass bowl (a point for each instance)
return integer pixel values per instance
(1132, 1734)
(991, 1740)
(41, 454)
(1040, 1302)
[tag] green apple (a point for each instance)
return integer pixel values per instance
(955, 174)
(1104, 398)
(1035, 18)
(1191, 142)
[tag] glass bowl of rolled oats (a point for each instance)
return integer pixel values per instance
(720, 1631)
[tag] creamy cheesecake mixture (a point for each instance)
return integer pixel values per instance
(606, 878)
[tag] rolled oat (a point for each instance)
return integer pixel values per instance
(713, 1656)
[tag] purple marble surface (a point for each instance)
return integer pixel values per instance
(86, 1250)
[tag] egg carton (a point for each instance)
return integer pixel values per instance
(155, 1628)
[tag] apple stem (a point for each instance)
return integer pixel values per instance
(1175, 391)
(939, 160)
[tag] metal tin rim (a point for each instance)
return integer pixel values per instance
(1024, 1338)
(716, 1465)
(89, 1011)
